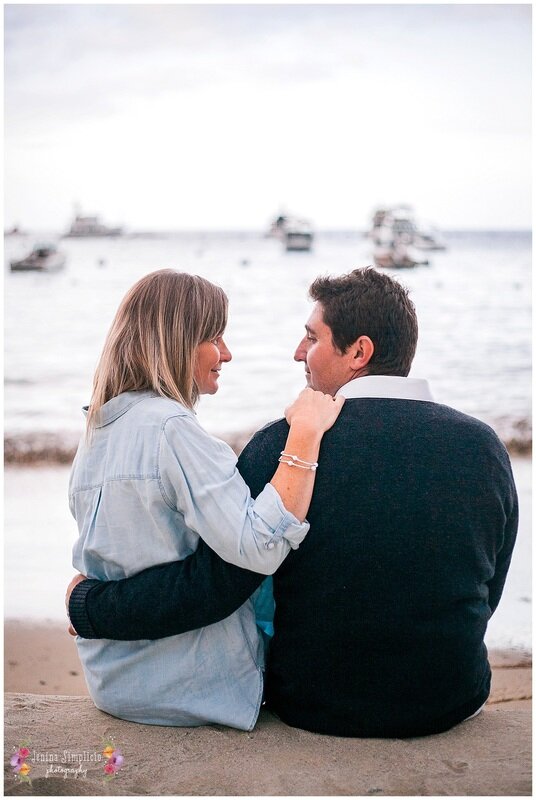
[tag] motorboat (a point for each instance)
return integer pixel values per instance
(296, 234)
(44, 257)
(87, 227)
(392, 225)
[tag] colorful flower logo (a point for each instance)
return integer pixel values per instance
(114, 759)
(21, 769)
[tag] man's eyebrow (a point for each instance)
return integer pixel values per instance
(309, 329)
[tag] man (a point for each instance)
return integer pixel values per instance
(381, 613)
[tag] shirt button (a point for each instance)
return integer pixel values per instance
(270, 545)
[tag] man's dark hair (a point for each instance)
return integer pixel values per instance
(369, 303)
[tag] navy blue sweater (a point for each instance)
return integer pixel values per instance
(381, 612)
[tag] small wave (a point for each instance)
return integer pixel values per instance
(515, 433)
(519, 447)
(46, 447)
(40, 448)
(60, 448)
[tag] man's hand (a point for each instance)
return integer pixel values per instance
(77, 579)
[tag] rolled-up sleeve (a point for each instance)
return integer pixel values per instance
(199, 480)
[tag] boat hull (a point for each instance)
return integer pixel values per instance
(400, 258)
(94, 234)
(48, 264)
(298, 242)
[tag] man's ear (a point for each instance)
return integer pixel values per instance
(361, 352)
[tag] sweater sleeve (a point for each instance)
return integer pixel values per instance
(504, 554)
(171, 598)
(162, 601)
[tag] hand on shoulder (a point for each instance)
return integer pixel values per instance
(314, 410)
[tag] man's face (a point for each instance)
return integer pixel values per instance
(326, 369)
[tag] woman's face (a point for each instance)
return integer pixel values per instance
(209, 358)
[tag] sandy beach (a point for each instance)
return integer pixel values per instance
(46, 704)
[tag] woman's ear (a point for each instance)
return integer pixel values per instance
(361, 352)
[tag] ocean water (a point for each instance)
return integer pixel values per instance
(473, 305)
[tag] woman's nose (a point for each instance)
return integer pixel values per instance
(225, 353)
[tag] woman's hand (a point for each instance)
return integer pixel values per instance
(314, 410)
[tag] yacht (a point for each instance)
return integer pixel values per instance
(86, 227)
(296, 234)
(397, 223)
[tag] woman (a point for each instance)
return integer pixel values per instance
(148, 481)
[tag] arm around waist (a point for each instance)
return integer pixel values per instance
(161, 601)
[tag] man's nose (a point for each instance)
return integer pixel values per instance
(225, 353)
(301, 351)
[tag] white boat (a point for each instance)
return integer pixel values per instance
(392, 225)
(296, 234)
(44, 257)
(86, 227)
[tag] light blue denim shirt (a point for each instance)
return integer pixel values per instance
(148, 484)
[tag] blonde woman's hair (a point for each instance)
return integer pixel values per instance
(153, 339)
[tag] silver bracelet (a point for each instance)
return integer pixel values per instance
(297, 458)
(307, 465)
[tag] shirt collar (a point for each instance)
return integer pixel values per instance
(392, 387)
(119, 405)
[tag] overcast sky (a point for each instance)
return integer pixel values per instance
(212, 116)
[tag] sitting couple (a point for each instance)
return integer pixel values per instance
(382, 595)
